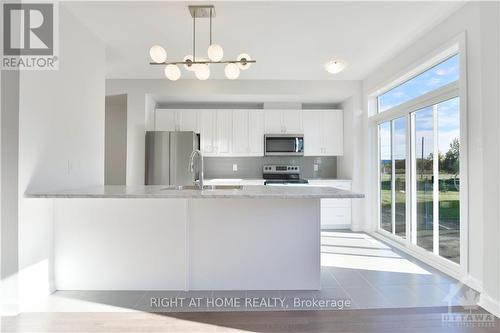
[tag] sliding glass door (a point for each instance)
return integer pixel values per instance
(431, 137)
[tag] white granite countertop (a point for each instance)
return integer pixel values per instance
(246, 191)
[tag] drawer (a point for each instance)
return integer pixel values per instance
(335, 215)
(341, 203)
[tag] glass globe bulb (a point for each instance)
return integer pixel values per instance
(335, 66)
(158, 54)
(232, 71)
(244, 56)
(202, 71)
(215, 52)
(172, 72)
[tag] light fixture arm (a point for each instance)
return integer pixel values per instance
(210, 27)
(194, 38)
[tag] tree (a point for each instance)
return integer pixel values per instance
(451, 161)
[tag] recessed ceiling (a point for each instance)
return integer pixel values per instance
(289, 40)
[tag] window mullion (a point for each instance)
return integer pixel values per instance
(413, 199)
(435, 183)
(393, 182)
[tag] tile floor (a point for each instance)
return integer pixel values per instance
(356, 268)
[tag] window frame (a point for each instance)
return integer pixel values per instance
(375, 118)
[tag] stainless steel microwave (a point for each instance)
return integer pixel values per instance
(284, 145)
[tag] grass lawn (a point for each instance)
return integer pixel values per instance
(448, 200)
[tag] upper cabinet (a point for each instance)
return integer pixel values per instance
(188, 120)
(208, 132)
(166, 120)
(313, 132)
(333, 127)
(256, 132)
(248, 133)
(176, 120)
(283, 121)
(323, 132)
(224, 132)
(241, 132)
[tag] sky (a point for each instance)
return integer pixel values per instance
(435, 77)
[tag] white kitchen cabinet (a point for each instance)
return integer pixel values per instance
(283, 121)
(323, 132)
(313, 132)
(255, 133)
(165, 120)
(240, 132)
(335, 213)
(292, 121)
(224, 129)
(248, 133)
(176, 120)
(273, 121)
(188, 120)
(208, 131)
(333, 132)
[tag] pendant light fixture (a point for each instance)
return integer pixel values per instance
(200, 66)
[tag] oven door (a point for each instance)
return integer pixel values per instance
(284, 145)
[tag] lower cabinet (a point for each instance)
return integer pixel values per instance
(335, 213)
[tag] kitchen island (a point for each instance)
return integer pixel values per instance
(179, 238)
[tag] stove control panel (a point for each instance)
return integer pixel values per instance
(281, 169)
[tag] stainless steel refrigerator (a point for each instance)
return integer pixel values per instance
(167, 157)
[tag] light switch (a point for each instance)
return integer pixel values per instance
(235, 167)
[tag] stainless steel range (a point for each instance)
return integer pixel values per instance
(282, 175)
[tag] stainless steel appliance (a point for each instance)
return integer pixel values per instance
(284, 144)
(282, 175)
(167, 157)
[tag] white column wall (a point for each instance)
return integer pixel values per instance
(61, 142)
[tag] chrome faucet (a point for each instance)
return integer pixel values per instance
(198, 178)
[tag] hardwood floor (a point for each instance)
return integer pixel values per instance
(374, 321)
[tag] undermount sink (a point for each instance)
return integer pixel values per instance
(205, 187)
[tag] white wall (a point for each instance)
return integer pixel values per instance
(115, 155)
(9, 191)
(352, 165)
(142, 94)
(479, 21)
(61, 141)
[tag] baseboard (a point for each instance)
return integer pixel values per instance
(336, 226)
(490, 304)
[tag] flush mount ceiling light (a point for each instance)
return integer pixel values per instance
(200, 66)
(335, 66)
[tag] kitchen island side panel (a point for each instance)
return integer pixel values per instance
(254, 244)
(120, 244)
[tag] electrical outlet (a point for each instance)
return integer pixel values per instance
(316, 167)
(235, 167)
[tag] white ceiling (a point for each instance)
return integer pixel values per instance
(289, 40)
